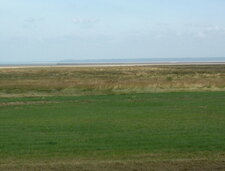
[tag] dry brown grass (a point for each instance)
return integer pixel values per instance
(181, 165)
(102, 80)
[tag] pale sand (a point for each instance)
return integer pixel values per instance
(110, 65)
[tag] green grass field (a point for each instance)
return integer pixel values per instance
(112, 118)
(173, 130)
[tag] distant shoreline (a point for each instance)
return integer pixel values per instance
(107, 64)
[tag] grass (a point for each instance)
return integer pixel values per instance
(58, 81)
(113, 118)
(124, 131)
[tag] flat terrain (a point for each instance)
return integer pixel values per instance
(143, 129)
(60, 81)
(113, 118)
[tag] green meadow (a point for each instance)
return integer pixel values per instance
(138, 127)
(112, 118)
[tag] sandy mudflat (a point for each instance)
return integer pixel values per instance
(111, 64)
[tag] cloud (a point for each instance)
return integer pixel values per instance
(206, 27)
(201, 35)
(211, 30)
(203, 30)
(31, 22)
(197, 25)
(215, 28)
(85, 22)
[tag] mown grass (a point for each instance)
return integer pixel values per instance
(113, 126)
(110, 80)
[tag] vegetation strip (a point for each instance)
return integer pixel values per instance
(57, 81)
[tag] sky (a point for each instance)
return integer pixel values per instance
(54, 30)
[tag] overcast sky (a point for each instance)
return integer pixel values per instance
(52, 30)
